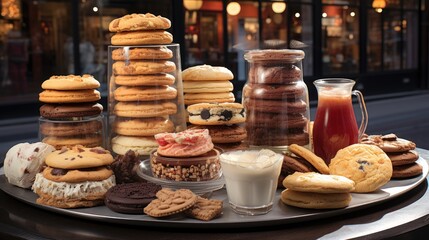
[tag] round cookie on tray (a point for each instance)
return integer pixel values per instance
(72, 110)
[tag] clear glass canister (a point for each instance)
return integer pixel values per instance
(276, 99)
(145, 96)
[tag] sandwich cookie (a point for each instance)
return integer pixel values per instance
(141, 53)
(130, 94)
(142, 67)
(135, 22)
(312, 200)
(216, 113)
(224, 133)
(140, 145)
(131, 198)
(143, 127)
(219, 97)
(70, 96)
(77, 175)
(79, 157)
(145, 109)
(319, 183)
(67, 111)
(71, 82)
(207, 86)
(59, 129)
(145, 80)
(142, 38)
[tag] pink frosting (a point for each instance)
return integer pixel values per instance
(189, 143)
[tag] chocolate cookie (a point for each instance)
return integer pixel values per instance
(131, 198)
(273, 120)
(403, 158)
(65, 111)
(407, 171)
(276, 136)
(274, 74)
(277, 92)
(389, 143)
(125, 167)
(275, 106)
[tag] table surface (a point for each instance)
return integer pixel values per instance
(398, 216)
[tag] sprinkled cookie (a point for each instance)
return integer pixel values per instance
(205, 209)
(367, 165)
(170, 202)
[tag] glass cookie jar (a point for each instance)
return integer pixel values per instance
(145, 96)
(275, 98)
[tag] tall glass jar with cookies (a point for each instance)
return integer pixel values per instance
(275, 98)
(145, 85)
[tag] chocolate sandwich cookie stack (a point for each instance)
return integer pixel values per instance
(401, 152)
(276, 99)
(145, 88)
(223, 120)
(70, 114)
(207, 84)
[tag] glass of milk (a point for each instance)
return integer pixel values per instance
(251, 179)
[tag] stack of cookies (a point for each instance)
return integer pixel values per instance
(401, 152)
(71, 114)
(276, 99)
(207, 84)
(145, 91)
(223, 120)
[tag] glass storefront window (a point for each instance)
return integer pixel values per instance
(392, 26)
(410, 43)
(203, 32)
(374, 41)
(340, 39)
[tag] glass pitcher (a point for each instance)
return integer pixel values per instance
(335, 125)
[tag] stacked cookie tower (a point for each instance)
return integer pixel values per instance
(144, 99)
(276, 99)
(71, 114)
(401, 152)
(210, 104)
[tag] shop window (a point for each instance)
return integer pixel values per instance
(374, 41)
(410, 44)
(340, 39)
(203, 32)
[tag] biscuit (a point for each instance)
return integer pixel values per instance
(135, 22)
(224, 133)
(145, 80)
(193, 98)
(131, 198)
(407, 171)
(389, 143)
(216, 113)
(315, 200)
(64, 129)
(205, 209)
(206, 72)
(170, 202)
(308, 155)
(318, 183)
(143, 127)
(367, 165)
(403, 158)
(65, 111)
(276, 106)
(79, 157)
(207, 86)
(77, 175)
(87, 140)
(71, 96)
(287, 74)
(141, 53)
(277, 92)
(140, 145)
(125, 167)
(274, 120)
(142, 67)
(145, 109)
(132, 94)
(142, 38)
(71, 82)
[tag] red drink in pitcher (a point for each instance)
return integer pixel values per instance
(335, 125)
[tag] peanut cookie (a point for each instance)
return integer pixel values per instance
(79, 157)
(141, 53)
(71, 82)
(70, 96)
(145, 109)
(205, 209)
(142, 38)
(131, 94)
(316, 182)
(142, 67)
(145, 80)
(316, 161)
(134, 22)
(367, 165)
(389, 143)
(315, 200)
(170, 202)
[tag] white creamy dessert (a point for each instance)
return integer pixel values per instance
(251, 179)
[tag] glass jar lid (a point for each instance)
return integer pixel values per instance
(290, 55)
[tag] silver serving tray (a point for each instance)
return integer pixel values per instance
(281, 214)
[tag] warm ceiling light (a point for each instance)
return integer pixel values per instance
(233, 8)
(278, 7)
(378, 5)
(192, 5)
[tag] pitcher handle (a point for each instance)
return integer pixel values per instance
(364, 113)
